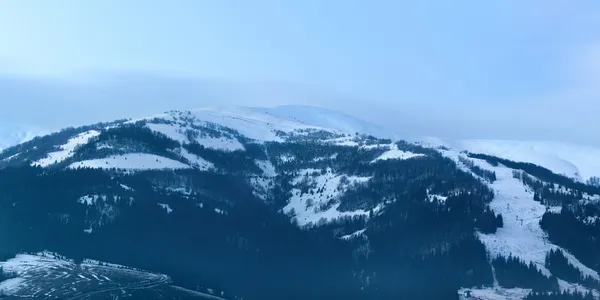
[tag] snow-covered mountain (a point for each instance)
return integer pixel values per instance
(580, 162)
(326, 118)
(349, 194)
(11, 135)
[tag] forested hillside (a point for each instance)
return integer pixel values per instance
(300, 213)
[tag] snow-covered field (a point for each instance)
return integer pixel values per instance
(46, 276)
(131, 161)
(177, 131)
(493, 294)
(66, 150)
(324, 187)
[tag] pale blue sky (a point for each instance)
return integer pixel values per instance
(450, 68)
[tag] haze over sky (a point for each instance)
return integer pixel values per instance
(461, 69)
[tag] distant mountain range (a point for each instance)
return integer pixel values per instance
(11, 135)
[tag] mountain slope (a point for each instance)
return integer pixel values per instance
(263, 203)
(13, 135)
(574, 161)
(328, 119)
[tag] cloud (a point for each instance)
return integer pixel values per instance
(564, 114)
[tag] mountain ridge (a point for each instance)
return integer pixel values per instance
(362, 202)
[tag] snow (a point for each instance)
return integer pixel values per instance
(344, 141)
(11, 157)
(307, 208)
(166, 207)
(180, 190)
(325, 118)
(267, 168)
(353, 235)
(196, 161)
(11, 285)
(395, 153)
(221, 143)
(90, 200)
(131, 161)
(573, 287)
(177, 132)
(67, 150)
(125, 187)
(11, 135)
(575, 161)
(287, 158)
(521, 236)
(251, 123)
(494, 293)
(37, 277)
(436, 197)
(173, 131)
(198, 294)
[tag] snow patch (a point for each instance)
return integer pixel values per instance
(267, 168)
(173, 131)
(287, 158)
(353, 235)
(395, 153)
(125, 187)
(320, 200)
(166, 207)
(196, 161)
(493, 294)
(221, 143)
(91, 199)
(131, 161)
(67, 150)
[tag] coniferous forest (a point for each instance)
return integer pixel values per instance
(419, 239)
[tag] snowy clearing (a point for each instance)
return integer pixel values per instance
(493, 294)
(66, 150)
(221, 143)
(321, 201)
(177, 131)
(195, 160)
(132, 161)
(395, 153)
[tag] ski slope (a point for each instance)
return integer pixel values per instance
(521, 235)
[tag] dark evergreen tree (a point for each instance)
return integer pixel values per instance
(511, 272)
